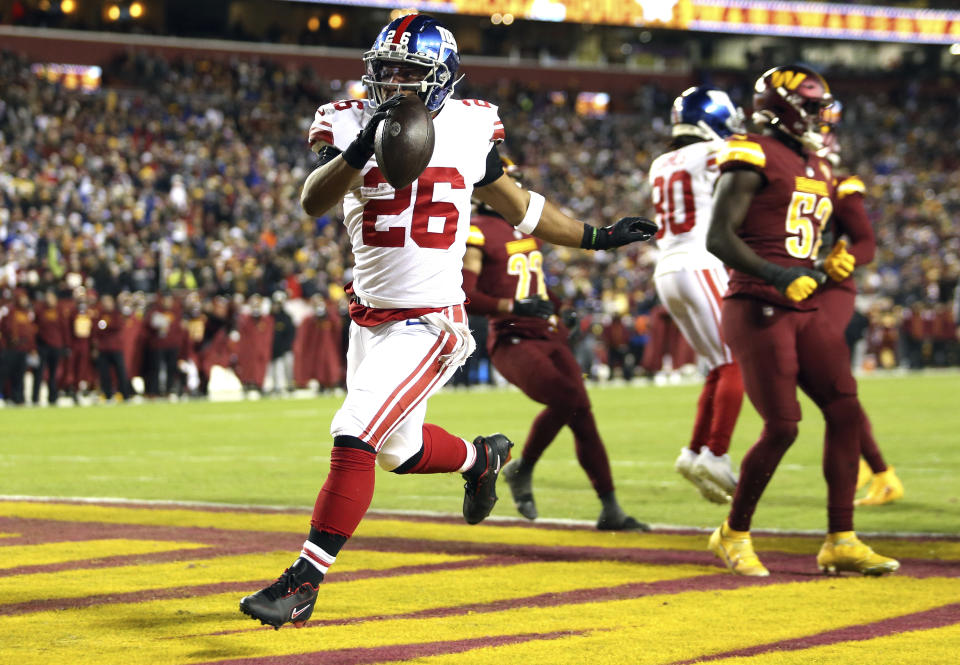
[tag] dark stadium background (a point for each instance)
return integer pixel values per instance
(224, 107)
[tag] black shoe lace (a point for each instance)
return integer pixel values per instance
(282, 586)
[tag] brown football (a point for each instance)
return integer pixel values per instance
(404, 142)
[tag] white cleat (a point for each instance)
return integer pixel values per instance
(710, 490)
(716, 470)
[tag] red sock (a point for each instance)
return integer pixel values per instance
(442, 451)
(727, 401)
(868, 445)
(347, 492)
(701, 425)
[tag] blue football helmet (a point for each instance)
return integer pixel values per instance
(416, 41)
(706, 113)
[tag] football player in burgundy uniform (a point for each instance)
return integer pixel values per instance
(503, 279)
(691, 281)
(773, 197)
(835, 300)
(408, 333)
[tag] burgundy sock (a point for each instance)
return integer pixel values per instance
(726, 407)
(701, 425)
(442, 452)
(347, 492)
(757, 468)
(841, 456)
(868, 445)
(543, 431)
(590, 451)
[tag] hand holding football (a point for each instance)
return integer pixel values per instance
(404, 142)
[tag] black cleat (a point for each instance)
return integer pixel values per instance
(521, 487)
(622, 523)
(290, 599)
(480, 494)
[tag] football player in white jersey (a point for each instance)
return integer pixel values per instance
(409, 332)
(691, 281)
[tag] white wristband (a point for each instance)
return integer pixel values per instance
(532, 217)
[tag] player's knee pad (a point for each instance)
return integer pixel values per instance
(396, 451)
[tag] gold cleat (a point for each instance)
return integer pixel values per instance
(843, 551)
(864, 474)
(884, 488)
(735, 549)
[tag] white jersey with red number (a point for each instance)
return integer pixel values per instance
(409, 244)
(682, 184)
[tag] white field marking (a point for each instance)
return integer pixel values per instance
(160, 503)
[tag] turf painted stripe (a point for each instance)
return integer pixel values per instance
(252, 568)
(937, 617)
(920, 647)
(152, 633)
(404, 653)
(16, 556)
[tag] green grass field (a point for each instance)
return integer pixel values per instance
(275, 453)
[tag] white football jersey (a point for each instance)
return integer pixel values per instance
(408, 245)
(682, 183)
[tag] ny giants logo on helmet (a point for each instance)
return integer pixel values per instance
(425, 49)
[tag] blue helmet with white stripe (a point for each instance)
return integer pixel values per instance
(423, 46)
(706, 113)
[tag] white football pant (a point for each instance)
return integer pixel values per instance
(694, 298)
(392, 369)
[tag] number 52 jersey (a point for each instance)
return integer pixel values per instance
(408, 245)
(786, 215)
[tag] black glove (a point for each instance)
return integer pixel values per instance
(624, 232)
(361, 150)
(533, 307)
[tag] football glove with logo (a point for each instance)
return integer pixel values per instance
(624, 232)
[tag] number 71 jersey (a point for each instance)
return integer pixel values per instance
(681, 183)
(408, 244)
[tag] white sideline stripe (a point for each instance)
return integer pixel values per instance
(120, 501)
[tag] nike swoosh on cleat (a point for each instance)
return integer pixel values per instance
(297, 612)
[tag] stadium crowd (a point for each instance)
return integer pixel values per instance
(146, 233)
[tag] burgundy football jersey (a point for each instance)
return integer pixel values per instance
(787, 214)
(512, 269)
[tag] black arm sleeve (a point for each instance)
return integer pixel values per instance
(494, 168)
(326, 154)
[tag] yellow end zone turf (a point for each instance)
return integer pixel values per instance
(385, 527)
(14, 556)
(256, 569)
(588, 602)
(651, 629)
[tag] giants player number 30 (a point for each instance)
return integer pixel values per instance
(691, 281)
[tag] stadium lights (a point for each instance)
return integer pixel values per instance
(68, 6)
(335, 21)
(136, 10)
(313, 23)
(113, 12)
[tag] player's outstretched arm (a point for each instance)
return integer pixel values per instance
(731, 200)
(533, 214)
